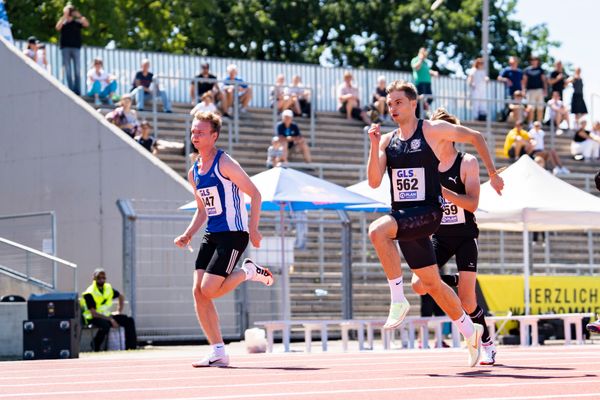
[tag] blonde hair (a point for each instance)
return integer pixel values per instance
(402, 86)
(207, 95)
(211, 117)
(441, 114)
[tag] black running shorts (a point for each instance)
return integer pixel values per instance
(464, 248)
(415, 226)
(220, 251)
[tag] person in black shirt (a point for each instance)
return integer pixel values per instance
(203, 87)
(535, 85)
(558, 79)
(146, 139)
(288, 131)
(69, 26)
(379, 96)
(141, 88)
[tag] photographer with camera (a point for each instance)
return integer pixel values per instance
(69, 26)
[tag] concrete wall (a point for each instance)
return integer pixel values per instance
(10, 285)
(57, 153)
(12, 316)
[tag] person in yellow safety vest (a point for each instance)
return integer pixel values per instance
(96, 305)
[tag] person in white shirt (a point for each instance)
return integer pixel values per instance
(206, 105)
(477, 80)
(558, 112)
(540, 154)
(100, 84)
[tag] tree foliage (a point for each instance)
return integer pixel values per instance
(358, 33)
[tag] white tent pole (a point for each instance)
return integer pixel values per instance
(526, 271)
(284, 270)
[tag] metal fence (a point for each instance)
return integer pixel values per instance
(35, 230)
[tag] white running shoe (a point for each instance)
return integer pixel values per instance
(557, 171)
(489, 355)
(258, 273)
(397, 314)
(565, 170)
(212, 360)
(474, 345)
(559, 132)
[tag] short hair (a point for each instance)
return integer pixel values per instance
(145, 61)
(403, 86)
(441, 114)
(211, 117)
(518, 93)
(347, 74)
(98, 271)
(206, 95)
(231, 67)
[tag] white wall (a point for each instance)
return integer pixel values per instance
(57, 153)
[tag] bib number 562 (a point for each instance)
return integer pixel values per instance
(407, 184)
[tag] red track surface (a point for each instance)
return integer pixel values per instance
(538, 373)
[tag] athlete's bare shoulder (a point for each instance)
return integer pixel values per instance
(386, 137)
(469, 164)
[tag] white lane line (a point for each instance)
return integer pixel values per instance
(545, 397)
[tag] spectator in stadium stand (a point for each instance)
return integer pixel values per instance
(517, 110)
(124, 117)
(244, 92)
(512, 76)
(69, 26)
(517, 142)
(585, 145)
(422, 73)
(146, 139)
(298, 92)
(142, 91)
(289, 132)
(477, 81)
(349, 100)
(535, 85)
(277, 152)
(100, 84)
(281, 99)
(379, 101)
(558, 79)
(96, 305)
(206, 105)
(31, 50)
(578, 106)
(541, 155)
(558, 112)
(203, 87)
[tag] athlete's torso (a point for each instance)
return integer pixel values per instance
(412, 168)
(456, 221)
(222, 199)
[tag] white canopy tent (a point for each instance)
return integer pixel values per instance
(534, 200)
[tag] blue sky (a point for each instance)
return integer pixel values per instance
(573, 23)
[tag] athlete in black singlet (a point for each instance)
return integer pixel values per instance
(458, 231)
(410, 156)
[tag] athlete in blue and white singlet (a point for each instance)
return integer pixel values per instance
(219, 185)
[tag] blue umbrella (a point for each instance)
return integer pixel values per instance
(287, 189)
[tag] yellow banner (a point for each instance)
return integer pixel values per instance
(548, 294)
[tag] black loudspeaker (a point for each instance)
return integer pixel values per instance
(51, 338)
(53, 305)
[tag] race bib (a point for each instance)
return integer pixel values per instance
(453, 214)
(211, 200)
(408, 184)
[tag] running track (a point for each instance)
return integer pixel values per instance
(547, 372)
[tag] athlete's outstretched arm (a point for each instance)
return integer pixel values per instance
(470, 174)
(377, 157)
(234, 172)
(198, 219)
(443, 130)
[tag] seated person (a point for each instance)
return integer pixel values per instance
(558, 112)
(299, 93)
(585, 145)
(542, 155)
(281, 99)
(206, 105)
(289, 132)
(277, 152)
(124, 117)
(349, 102)
(204, 82)
(146, 139)
(379, 100)
(517, 142)
(96, 304)
(141, 88)
(517, 110)
(100, 84)
(244, 92)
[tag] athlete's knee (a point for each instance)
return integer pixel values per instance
(199, 297)
(209, 292)
(378, 232)
(431, 285)
(418, 286)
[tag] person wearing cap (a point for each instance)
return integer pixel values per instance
(535, 85)
(101, 85)
(276, 152)
(289, 132)
(70, 25)
(97, 304)
(31, 49)
(146, 139)
(244, 92)
(141, 88)
(204, 86)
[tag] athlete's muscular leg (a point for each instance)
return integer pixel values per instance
(417, 286)
(466, 290)
(443, 295)
(214, 286)
(205, 311)
(382, 233)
